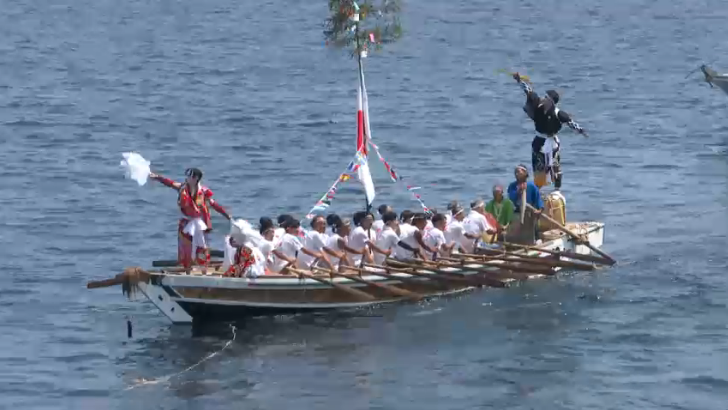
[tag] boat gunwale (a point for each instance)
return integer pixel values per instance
(283, 282)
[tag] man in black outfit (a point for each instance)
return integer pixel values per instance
(547, 119)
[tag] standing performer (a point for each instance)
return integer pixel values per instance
(194, 226)
(547, 118)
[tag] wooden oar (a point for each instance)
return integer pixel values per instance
(173, 263)
(536, 260)
(566, 254)
(495, 273)
(523, 208)
(523, 266)
(408, 279)
(387, 288)
(435, 275)
(575, 236)
(355, 292)
(489, 266)
(472, 280)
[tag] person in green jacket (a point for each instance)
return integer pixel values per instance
(501, 208)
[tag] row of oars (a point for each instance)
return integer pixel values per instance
(489, 267)
(493, 268)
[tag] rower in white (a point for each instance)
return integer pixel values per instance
(435, 238)
(338, 244)
(378, 225)
(280, 230)
(475, 225)
(359, 236)
(267, 230)
(315, 242)
(331, 221)
(387, 240)
(455, 232)
(448, 215)
(287, 249)
(407, 243)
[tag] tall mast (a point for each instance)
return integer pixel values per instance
(360, 75)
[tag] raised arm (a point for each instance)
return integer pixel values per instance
(165, 181)
(531, 96)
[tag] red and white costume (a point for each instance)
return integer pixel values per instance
(195, 224)
(248, 262)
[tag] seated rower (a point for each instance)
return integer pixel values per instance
(357, 245)
(455, 232)
(313, 251)
(267, 231)
(337, 244)
(387, 240)
(449, 214)
(412, 242)
(331, 221)
(280, 230)
(435, 238)
(475, 226)
(405, 222)
(286, 251)
(378, 225)
(428, 219)
(248, 261)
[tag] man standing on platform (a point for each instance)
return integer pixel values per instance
(523, 226)
(547, 119)
(194, 201)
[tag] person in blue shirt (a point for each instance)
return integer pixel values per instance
(533, 195)
(525, 233)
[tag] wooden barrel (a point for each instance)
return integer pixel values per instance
(555, 207)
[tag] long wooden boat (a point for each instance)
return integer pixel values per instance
(184, 299)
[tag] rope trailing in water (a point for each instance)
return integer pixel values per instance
(144, 382)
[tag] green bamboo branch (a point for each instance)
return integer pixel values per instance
(377, 17)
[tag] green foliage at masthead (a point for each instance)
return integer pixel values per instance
(377, 17)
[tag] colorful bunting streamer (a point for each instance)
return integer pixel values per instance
(395, 177)
(326, 199)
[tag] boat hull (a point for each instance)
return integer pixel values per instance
(722, 83)
(184, 299)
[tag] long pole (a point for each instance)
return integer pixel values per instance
(368, 206)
